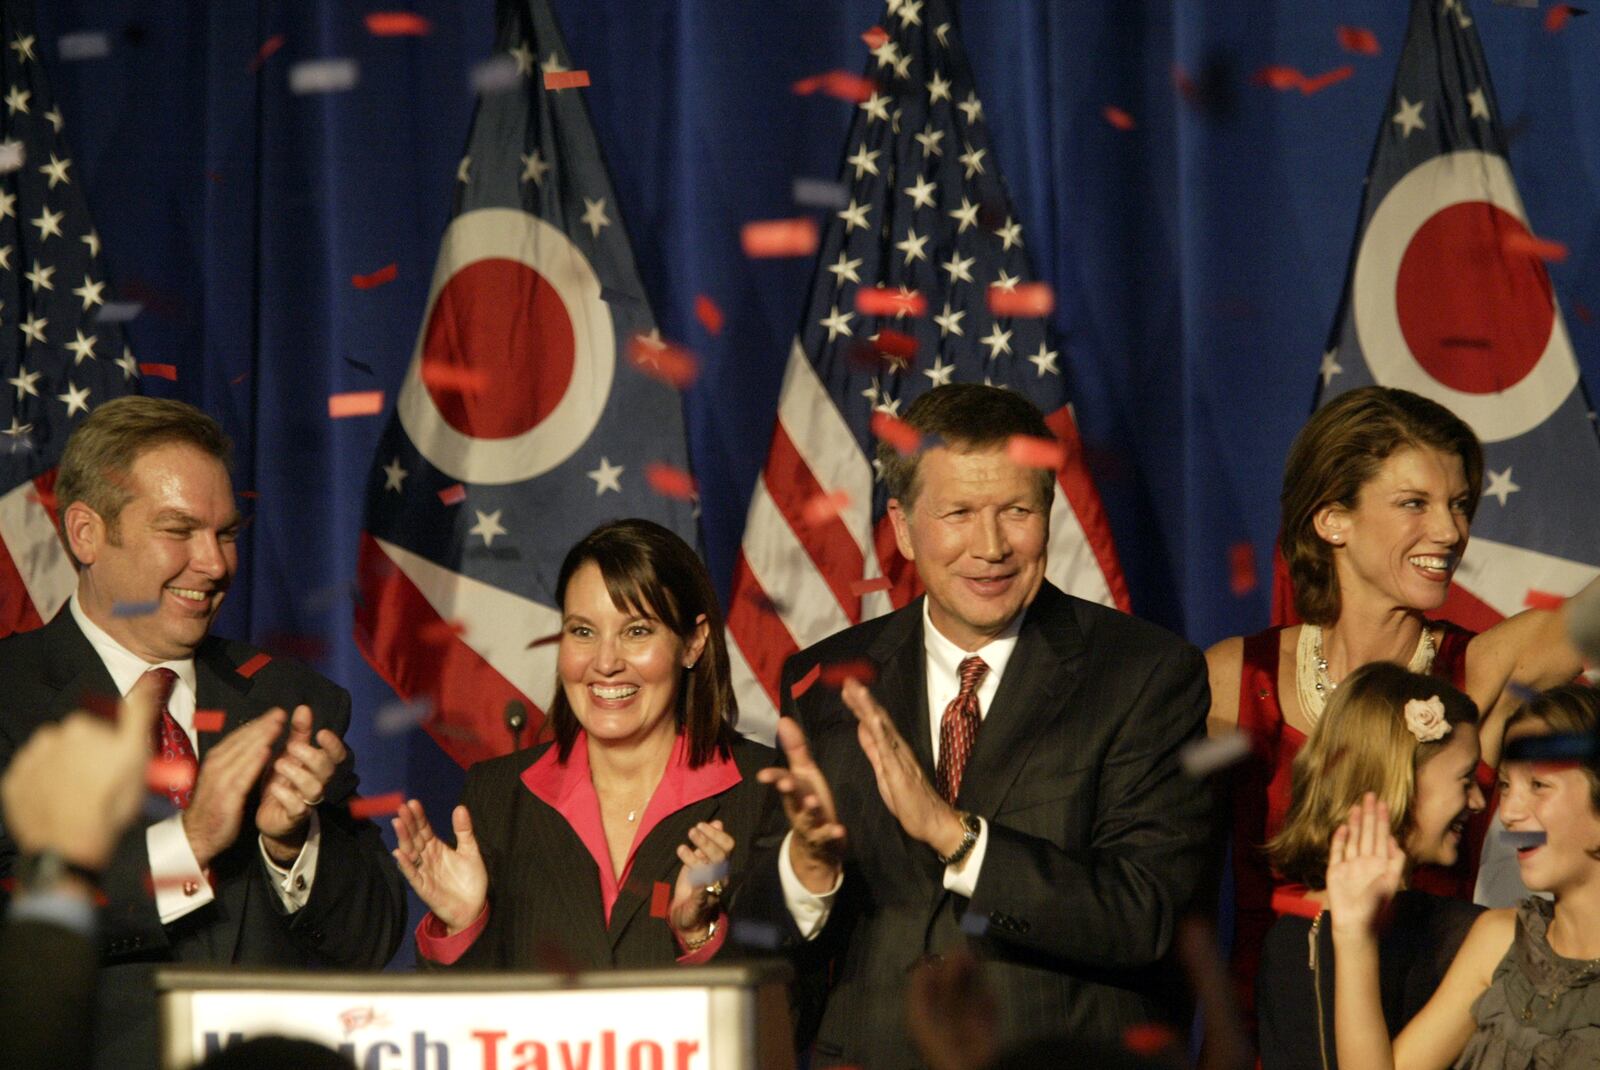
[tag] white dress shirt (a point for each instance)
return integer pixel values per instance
(942, 661)
(180, 884)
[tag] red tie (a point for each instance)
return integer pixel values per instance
(958, 729)
(172, 742)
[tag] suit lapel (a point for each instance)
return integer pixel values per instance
(218, 686)
(575, 881)
(656, 859)
(902, 684)
(73, 669)
(1039, 681)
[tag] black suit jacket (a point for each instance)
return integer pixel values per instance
(544, 888)
(1096, 839)
(47, 984)
(356, 912)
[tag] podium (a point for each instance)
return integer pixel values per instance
(694, 1018)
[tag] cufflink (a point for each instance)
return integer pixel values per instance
(300, 883)
(191, 887)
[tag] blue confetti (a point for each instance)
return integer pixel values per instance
(127, 610)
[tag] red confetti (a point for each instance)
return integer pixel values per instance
(836, 674)
(1536, 599)
(824, 507)
(896, 432)
(268, 47)
(895, 344)
(566, 79)
(1583, 311)
(802, 685)
(1031, 451)
(102, 706)
(772, 238)
(1358, 39)
(1520, 242)
(398, 24)
(1322, 81)
(660, 899)
(1117, 117)
(237, 379)
(875, 37)
(160, 371)
(877, 583)
(1032, 300)
(669, 481)
(168, 775)
(453, 495)
(252, 495)
(709, 315)
(841, 84)
(254, 665)
(1241, 568)
(1148, 1038)
(437, 632)
(377, 805)
(209, 720)
(453, 378)
(355, 403)
(881, 301)
(672, 364)
(1558, 15)
(387, 273)
(1285, 78)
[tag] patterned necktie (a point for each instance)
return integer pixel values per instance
(958, 729)
(172, 742)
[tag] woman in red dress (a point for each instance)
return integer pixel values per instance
(1378, 493)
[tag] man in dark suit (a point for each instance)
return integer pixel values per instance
(1009, 784)
(261, 864)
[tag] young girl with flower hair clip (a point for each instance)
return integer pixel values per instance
(1523, 992)
(1412, 741)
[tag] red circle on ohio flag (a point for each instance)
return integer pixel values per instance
(1476, 319)
(504, 321)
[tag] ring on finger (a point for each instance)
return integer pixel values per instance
(715, 889)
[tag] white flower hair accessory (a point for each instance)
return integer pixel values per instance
(1425, 718)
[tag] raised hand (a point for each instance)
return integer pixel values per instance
(817, 847)
(297, 785)
(905, 790)
(697, 894)
(453, 881)
(229, 771)
(1365, 867)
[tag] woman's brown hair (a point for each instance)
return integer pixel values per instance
(651, 571)
(1339, 449)
(1361, 744)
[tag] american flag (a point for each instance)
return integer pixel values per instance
(60, 356)
(1448, 296)
(522, 423)
(926, 221)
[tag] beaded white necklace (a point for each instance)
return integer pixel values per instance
(1311, 668)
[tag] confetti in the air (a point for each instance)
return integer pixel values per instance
(496, 75)
(1242, 568)
(566, 79)
(896, 432)
(73, 46)
(1148, 1038)
(672, 364)
(824, 507)
(453, 378)
(668, 481)
(397, 24)
(1557, 16)
(974, 924)
(395, 718)
(874, 37)
(895, 344)
(709, 315)
(802, 685)
(384, 274)
(1206, 756)
(1358, 39)
(168, 372)
(708, 874)
(1117, 117)
(820, 193)
(12, 156)
(836, 673)
(323, 76)
(376, 805)
(355, 403)
(773, 238)
(1031, 300)
(660, 899)
(1536, 599)
(1284, 78)
(168, 774)
(1031, 451)
(133, 610)
(209, 720)
(881, 301)
(268, 47)
(747, 932)
(254, 665)
(1520, 838)
(118, 311)
(453, 495)
(876, 583)
(1521, 243)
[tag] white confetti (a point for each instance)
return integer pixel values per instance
(1206, 756)
(700, 876)
(323, 76)
(83, 46)
(118, 311)
(496, 75)
(398, 717)
(12, 156)
(819, 193)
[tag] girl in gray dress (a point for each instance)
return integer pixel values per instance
(1522, 993)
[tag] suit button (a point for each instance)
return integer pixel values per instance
(1023, 925)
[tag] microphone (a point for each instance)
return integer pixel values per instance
(516, 717)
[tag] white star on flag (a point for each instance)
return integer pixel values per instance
(594, 215)
(77, 400)
(606, 477)
(845, 269)
(1330, 366)
(488, 526)
(940, 373)
(938, 88)
(1500, 486)
(854, 215)
(1045, 361)
(837, 323)
(998, 342)
(394, 476)
(1409, 117)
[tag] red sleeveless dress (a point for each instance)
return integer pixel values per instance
(1261, 800)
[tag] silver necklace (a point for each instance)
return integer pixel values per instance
(1312, 681)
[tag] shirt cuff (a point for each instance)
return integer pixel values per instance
(706, 951)
(808, 909)
(62, 909)
(435, 943)
(962, 877)
(293, 884)
(179, 883)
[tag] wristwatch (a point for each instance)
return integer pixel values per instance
(970, 829)
(44, 871)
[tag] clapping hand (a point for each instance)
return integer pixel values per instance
(1365, 867)
(296, 784)
(697, 896)
(902, 784)
(453, 881)
(816, 849)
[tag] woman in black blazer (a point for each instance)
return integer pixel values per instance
(615, 843)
